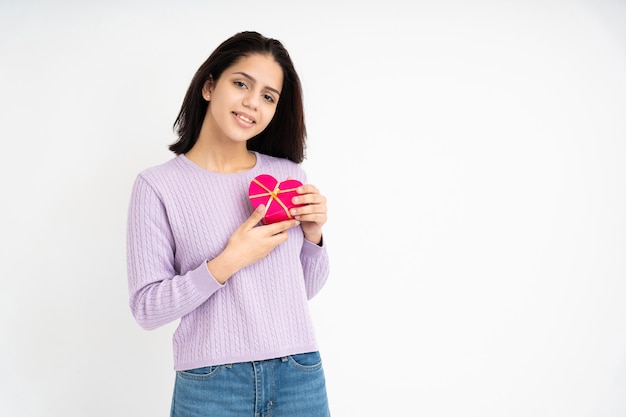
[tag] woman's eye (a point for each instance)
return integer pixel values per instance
(240, 84)
(268, 98)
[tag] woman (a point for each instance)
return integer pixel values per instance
(198, 252)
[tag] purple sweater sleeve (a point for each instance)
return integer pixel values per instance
(157, 294)
(315, 265)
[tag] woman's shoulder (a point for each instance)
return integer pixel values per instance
(173, 164)
(168, 169)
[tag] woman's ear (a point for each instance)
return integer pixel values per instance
(207, 89)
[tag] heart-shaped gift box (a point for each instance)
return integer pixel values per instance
(275, 195)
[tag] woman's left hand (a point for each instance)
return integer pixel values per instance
(312, 216)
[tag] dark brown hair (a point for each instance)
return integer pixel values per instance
(285, 135)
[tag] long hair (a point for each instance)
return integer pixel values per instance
(284, 136)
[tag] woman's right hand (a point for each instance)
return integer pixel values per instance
(249, 244)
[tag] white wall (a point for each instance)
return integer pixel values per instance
(473, 154)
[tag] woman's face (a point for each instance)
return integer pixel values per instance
(243, 100)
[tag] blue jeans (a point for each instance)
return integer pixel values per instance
(293, 386)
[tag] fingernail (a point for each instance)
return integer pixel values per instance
(293, 211)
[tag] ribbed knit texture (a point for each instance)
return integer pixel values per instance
(181, 216)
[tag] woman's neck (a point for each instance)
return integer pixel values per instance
(222, 159)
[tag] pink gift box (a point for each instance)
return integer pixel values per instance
(275, 195)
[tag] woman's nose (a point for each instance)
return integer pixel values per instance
(251, 100)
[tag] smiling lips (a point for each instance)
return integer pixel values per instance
(244, 117)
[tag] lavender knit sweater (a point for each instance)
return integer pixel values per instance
(180, 216)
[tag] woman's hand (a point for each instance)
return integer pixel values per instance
(249, 244)
(313, 215)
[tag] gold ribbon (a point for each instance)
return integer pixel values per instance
(273, 195)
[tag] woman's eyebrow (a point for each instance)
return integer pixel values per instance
(251, 78)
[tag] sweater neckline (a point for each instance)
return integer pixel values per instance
(195, 167)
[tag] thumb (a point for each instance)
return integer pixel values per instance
(256, 216)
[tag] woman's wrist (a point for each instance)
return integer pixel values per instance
(314, 238)
(222, 267)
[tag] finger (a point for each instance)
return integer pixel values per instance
(317, 217)
(279, 227)
(278, 238)
(309, 212)
(309, 199)
(307, 189)
(255, 217)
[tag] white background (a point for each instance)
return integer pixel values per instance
(474, 158)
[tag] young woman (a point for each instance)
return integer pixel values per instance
(198, 252)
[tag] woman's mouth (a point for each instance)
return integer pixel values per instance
(244, 117)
